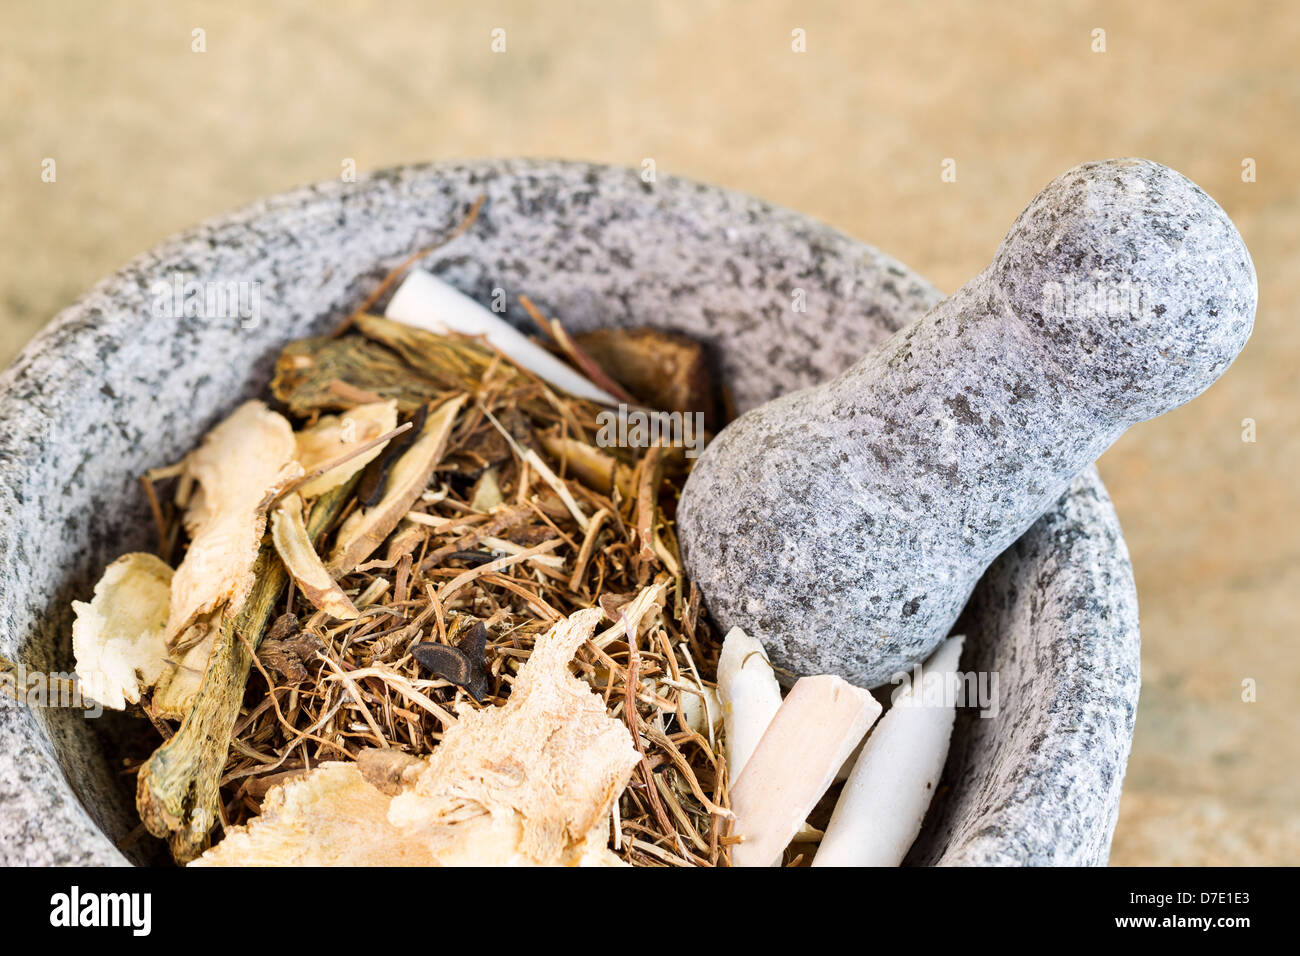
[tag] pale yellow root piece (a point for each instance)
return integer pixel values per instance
(818, 725)
(328, 817)
(238, 467)
(119, 637)
(532, 782)
(174, 694)
(293, 544)
(594, 467)
(333, 436)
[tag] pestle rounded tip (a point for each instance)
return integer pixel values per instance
(1139, 277)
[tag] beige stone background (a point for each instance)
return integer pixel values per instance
(150, 137)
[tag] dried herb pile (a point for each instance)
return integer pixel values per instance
(521, 521)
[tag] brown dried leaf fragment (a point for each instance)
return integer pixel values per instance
(293, 544)
(118, 638)
(287, 651)
(365, 529)
(333, 436)
(666, 370)
(239, 465)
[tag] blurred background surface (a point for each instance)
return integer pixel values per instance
(149, 137)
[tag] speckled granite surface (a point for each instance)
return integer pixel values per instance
(1063, 703)
(110, 389)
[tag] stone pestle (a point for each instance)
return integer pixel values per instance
(846, 524)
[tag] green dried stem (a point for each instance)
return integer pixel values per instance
(178, 790)
(325, 374)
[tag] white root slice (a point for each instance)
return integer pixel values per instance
(241, 463)
(293, 544)
(884, 802)
(819, 723)
(532, 782)
(426, 302)
(119, 638)
(333, 436)
(749, 694)
(366, 528)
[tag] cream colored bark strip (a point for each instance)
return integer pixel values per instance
(365, 529)
(239, 466)
(293, 544)
(334, 436)
(818, 725)
(886, 797)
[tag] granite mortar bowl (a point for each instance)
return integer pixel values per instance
(114, 386)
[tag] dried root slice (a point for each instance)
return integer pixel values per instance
(885, 800)
(819, 723)
(749, 694)
(239, 465)
(293, 544)
(365, 529)
(333, 436)
(329, 817)
(119, 637)
(532, 782)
